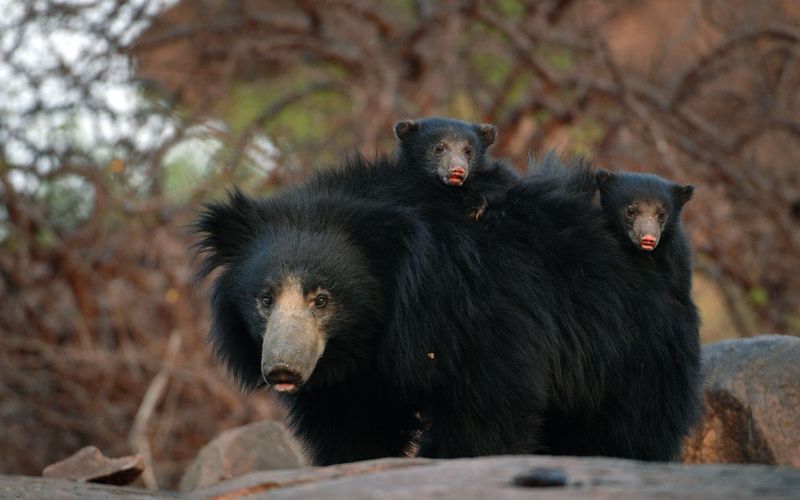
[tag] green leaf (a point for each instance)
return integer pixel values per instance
(758, 296)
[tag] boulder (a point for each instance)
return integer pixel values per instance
(89, 465)
(265, 445)
(752, 398)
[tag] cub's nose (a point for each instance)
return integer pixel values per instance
(648, 242)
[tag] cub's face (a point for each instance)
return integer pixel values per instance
(644, 220)
(449, 150)
(641, 206)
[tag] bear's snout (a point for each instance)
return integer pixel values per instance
(293, 341)
(283, 379)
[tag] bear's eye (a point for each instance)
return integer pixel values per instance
(266, 300)
(320, 301)
(661, 215)
(630, 211)
(439, 149)
(468, 152)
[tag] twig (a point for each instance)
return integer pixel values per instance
(138, 435)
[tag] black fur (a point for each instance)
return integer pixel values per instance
(574, 175)
(672, 256)
(543, 331)
(528, 331)
(349, 246)
(488, 178)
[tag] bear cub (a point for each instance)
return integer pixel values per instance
(453, 153)
(644, 213)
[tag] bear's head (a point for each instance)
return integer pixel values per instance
(304, 285)
(643, 207)
(447, 149)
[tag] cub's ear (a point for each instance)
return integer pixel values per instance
(604, 178)
(487, 133)
(225, 228)
(683, 193)
(405, 128)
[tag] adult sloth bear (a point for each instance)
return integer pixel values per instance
(365, 302)
(302, 304)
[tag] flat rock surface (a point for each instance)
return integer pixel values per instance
(464, 479)
(43, 488)
(506, 477)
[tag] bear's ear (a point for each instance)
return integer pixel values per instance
(403, 129)
(604, 178)
(488, 133)
(225, 228)
(682, 193)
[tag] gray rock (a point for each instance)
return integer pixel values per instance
(500, 477)
(752, 398)
(38, 488)
(463, 479)
(89, 465)
(265, 445)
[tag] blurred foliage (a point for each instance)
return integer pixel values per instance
(758, 297)
(585, 136)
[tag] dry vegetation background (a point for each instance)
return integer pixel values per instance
(107, 149)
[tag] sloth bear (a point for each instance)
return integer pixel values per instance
(300, 306)
(376, 314)
(644, 212)
(454, 153)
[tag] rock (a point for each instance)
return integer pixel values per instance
(265, 445)
(514, 477)
(752, 398)
(60, 489)
(465, 479)
(89, 465)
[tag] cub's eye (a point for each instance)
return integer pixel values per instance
(439, 149)
(630, 211)
(468, 152)
(320, 301)
(266, 300)
(661, 215)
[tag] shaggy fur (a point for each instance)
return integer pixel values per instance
(528, 331)
(351, 247)
(418, 150)
(672, 256)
